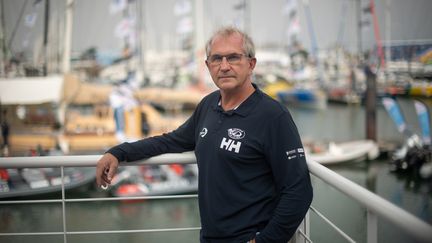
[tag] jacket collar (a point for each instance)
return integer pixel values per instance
(245, 107)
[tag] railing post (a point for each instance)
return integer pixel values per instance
(63, 203)
(372, 227)
(302, 234)
(306, 227)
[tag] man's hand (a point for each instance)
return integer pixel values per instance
(105, 169)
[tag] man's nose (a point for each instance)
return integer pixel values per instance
(225, 64)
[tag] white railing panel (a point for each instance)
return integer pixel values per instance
(375, 204)
(397, 216)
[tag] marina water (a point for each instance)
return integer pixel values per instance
(336, 123)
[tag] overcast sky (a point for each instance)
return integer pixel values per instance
(332, 21)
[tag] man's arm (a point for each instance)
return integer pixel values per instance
(291, 175)
(179, 140)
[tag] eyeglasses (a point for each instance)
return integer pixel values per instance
(232, 59)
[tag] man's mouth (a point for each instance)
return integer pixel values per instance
(222, 77)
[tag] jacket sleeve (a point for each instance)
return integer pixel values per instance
(180, 140)
(285, 154)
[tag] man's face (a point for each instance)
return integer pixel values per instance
(229, 76)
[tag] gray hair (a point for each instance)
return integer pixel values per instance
(248, 45)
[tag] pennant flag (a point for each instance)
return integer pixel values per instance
(185, 25)
(367, 9)
(395, 113)
(294, 28)
(182, 7)
(290, 7)
(423, 117)
(30, 20)
(240, 6)
(36, 2)
(124, 28)
(117, 6)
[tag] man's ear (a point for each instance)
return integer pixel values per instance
(252, 63)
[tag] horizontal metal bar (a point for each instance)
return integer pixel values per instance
(31, 233)
(90, 161)
(102, 232)
(328, 221)
(399, 217)
(131, 198)
(100, 199)
(30, 201)
(132, 231)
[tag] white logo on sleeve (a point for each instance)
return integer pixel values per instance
(294, 153)
(203, 132)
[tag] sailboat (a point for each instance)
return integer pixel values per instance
(303, 97)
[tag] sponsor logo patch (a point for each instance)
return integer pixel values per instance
(291, 154)
(236, 133)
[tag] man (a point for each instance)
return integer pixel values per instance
(254, 184)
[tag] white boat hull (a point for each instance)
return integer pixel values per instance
(358, 150)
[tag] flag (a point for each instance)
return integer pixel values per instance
(30, 20)
(182, 7)
(185, 25)
(240, 6)
(290, 9)
(294, 27)
(423, 117)
(395, 113)
(367, 9)
(124, 28)
(36, 2)
(117, 6)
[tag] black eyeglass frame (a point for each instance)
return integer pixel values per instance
(232, 58)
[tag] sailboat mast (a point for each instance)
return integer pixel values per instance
(3, 37)
(388, 30)
(313, 41)
(199, 42)
(68, 36)
(359, 28)
(247, 16)
(142, 35)
(45, 40)
(377, 33)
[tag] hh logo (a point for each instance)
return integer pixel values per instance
(230, 145)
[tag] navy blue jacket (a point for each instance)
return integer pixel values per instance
(253, 175)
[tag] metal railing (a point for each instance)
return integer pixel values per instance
(375, 205)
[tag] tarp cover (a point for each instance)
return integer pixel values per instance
(31, 90)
